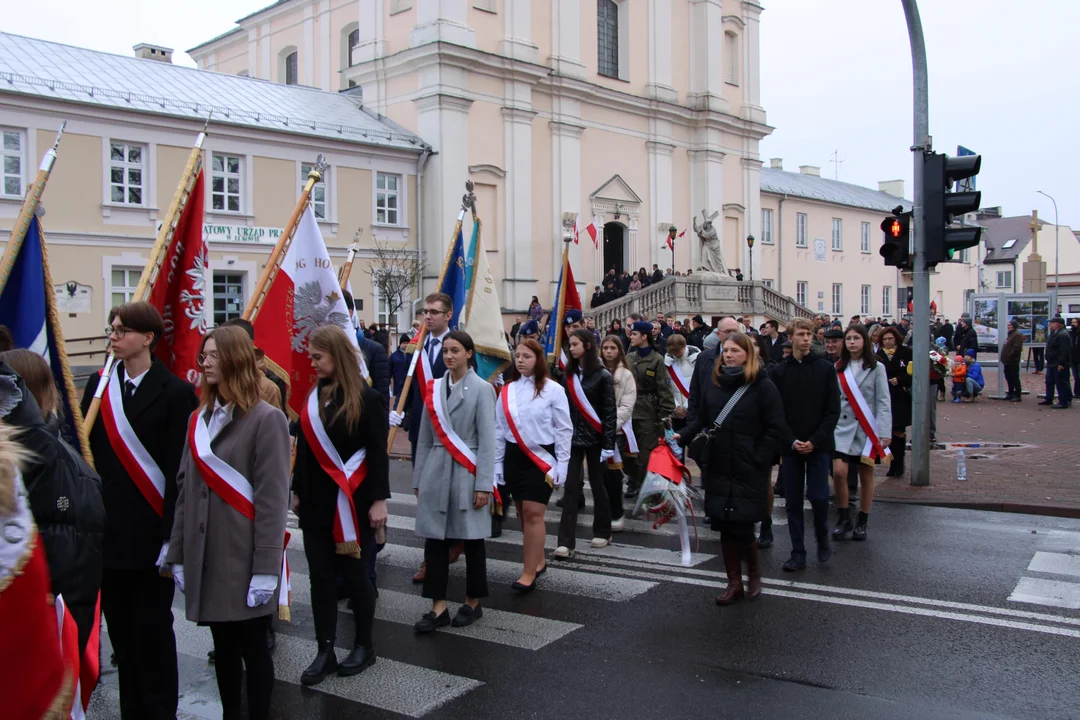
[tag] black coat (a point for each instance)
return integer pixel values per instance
(811, 396)
(600, 391)
(697, 337)
(741, 453)
(598, 299)
(900, 393)
(317, 491)
(965, 339)
(158, 413)
(65, 500)
(1059, 349)
(1074, 336)
(699, 381)
(378, 364)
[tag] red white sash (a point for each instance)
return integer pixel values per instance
(677, 377)
(872, 450)
(434, 394)
(69, 650)
(577, 394)
(138, 463)
(631, 445)
(348, 475)
(285, 586)
(540, 457)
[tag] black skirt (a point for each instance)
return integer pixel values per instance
(523, 480)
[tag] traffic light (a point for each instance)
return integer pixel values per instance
(897, 246)
(939, 173)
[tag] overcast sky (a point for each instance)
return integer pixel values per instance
(836, 76)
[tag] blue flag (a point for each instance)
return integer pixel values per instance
(23, 310)
(453, 283)
(555, 316)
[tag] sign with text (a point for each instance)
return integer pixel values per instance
(218, 233)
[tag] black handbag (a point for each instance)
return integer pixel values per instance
(698, 448)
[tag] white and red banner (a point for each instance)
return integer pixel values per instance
(680, 380)
(631, 445)
(535, 452)
(434, 396)
(581, 401)
(873, 449)
(90, 666)
(69, 650)
(135, 458)
(346, 474)
(303, 296)
(179, 291)
(592, 229)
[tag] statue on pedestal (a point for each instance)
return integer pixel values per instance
(712, 256)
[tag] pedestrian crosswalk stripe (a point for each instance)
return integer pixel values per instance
(1055, 563)
(1053, 593)
(388, 685)
(497, 626)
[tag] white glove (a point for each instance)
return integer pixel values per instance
(606, 455)
(396, 418)
(499, 379)
(178, 576)
(261, 590)
(499, 479)
(161, 557)
(557, 478)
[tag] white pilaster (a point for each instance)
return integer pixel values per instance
(307, 58)
(372, 42)
(659, 85)
(517, 33)
(566, 189)
(519, 274)
(706, 34)
(325, 64)
(566, 39)
(660, 207)
(253, 53)
(442, 21)
(751, 171)
(266, 65)
(707, 193)
(752, 109)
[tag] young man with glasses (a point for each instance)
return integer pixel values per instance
(137, 444)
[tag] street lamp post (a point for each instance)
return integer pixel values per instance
(671, 232)
(750, 244)
(1057, 246)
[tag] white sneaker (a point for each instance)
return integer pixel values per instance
(618, 525)
(599, 542)
(562, 552)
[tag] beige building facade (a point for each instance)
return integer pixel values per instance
(131, 124)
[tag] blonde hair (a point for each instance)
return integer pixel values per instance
(800, 324)
(676, 341)
(238, 376)
(332, 340)
(753, 363)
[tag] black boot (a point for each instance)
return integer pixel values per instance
(860, 527)
(899, 449)
(821, 529)
(843, 524)
(323, 664)
(359, 660)
(765, 537)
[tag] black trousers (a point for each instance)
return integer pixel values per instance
(137, 605)
(437, 556)
(239, 645)
(1012, 379)
(613, 483)
(575, 486)
(325, 566)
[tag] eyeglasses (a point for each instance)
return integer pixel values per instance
(203, 357)
(429, 311)
(119, 331)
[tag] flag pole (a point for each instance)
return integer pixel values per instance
(467, 201)
(346, 269)
(53, 319)
(281, 249)
(153, 265)
(560, 308)
(29, 208)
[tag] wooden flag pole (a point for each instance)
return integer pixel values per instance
(153, 265)
(469, 200)
(29, 208)
(281, 249)
(346, 269)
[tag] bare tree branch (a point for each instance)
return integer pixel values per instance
(395, 271)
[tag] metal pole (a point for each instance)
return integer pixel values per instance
(1057, 248)
(920, 439)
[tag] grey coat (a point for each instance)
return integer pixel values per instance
(874, 384)
(444, 506)
(220, 548)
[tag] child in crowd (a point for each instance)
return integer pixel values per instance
(959, 375)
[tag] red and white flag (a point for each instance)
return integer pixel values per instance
(303, 296)
(179, 292)
(591, 228)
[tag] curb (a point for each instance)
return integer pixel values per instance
(991, 506)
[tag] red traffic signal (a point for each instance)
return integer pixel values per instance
(896, 247)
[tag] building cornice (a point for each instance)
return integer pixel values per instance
(734, 20)
(520, 115)
(490, 169)
(439, 100)
(566, 129)
(657, 147)
(752, 163)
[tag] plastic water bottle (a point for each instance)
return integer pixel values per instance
(961, 466)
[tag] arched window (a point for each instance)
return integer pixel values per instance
(354, 40)
(292, 68)
(731, 58)
(607, 38)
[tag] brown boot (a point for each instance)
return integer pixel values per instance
(420, 574)
(733, 566)
(753, 570)
(455, 552)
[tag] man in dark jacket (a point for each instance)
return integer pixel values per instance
(375, 357)
(811, 395)
(399, 368)
(1058, 360)
(965, 337)
(598, 298)
(698, 331)
(1010, 361)
(657, 274)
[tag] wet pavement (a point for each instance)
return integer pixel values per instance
(943, 613)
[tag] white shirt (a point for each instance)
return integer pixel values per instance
(436, 340)
(221, 417)
(134, 379)
(544, 419)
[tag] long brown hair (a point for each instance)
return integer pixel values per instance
(620, 360)
(753, 363)
(540, 372)
(238, 381)
(35, 373)
(869, 359)
(332, 340)
(589, 361)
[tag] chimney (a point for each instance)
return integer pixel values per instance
(146, 51)
(810, 170)
(892, 187)
(776, 163)
(988, 212)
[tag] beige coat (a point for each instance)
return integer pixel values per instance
(625, 396)
(220, 548)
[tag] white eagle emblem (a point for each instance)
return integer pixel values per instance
(312, 309)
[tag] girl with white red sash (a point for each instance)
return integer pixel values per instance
(532, 449)
(592, 413)
(452, 479)
(614, 357)
(864, 431)
(679, 362)
(341, 483)
(227, 538)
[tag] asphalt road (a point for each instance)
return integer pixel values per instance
(941, 614)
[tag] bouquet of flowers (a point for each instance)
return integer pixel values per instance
(666, 495)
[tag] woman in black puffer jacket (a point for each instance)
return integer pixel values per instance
(65, 493)
(740, 457)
